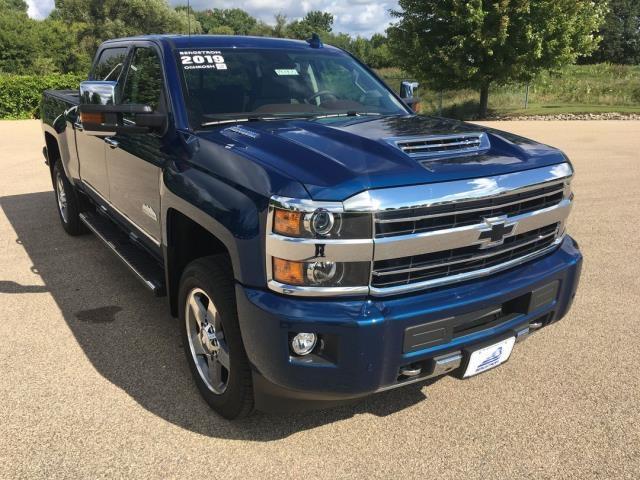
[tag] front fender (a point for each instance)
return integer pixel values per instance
(181, 194)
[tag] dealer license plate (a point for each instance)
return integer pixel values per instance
(489, 357)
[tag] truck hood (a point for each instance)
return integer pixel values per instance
(336, 158)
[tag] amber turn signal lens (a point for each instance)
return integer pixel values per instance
(285, 271)
(287, 222)
(91, 117)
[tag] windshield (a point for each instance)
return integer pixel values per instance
(268, 83)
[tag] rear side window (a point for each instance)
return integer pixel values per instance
(144, 81)
(110, 63)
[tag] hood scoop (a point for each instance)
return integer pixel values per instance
(442, 145)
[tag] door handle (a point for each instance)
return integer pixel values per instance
(111, 142)
(78, 126)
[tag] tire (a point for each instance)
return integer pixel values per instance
(212, 336)
(67, 202)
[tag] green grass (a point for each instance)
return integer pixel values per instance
(576, 89)
(537, 109)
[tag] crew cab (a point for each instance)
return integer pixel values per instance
(318, 240)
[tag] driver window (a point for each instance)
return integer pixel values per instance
(144, 81)
(109, 64)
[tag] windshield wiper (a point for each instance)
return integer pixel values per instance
(243, 117)
(352, 113)
(232, 118)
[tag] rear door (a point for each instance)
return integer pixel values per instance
(92, 149)
(134, 160)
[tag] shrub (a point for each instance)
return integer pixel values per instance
(20, 95)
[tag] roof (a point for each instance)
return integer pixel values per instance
(222, 41)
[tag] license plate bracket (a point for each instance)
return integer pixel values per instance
(489, 356)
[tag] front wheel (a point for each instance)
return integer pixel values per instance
(67, 202)
(211, 336)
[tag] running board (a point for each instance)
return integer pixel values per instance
(145, 267)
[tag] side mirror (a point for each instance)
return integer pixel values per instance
(408, 93)
(98, 92)
(102, 115)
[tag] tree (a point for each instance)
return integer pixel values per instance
(313, 22)
(59, 49)
(104, 19)
(229, 21)
(477, 43)
(280, 28)
(31, 46)
(18, 44)
(261, 29)
(239, 20)
(66, 41)
(319, 21)
(620, 34)
(13, 5)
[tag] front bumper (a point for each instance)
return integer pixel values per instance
(366, 344)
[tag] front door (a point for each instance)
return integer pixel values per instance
(92, 149)
(134, 160)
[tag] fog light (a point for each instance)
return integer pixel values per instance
(304, 343)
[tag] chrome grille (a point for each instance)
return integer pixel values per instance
(438, 234)
(442, 144)
(460, 214)
(445, 263)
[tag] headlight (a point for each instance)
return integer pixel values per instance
(321, 273)
(321, 223)
(316, 248)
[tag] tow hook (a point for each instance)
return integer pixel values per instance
(410, 370)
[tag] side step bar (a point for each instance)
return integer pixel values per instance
(141, 263)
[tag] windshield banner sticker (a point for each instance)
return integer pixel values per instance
(202, 59)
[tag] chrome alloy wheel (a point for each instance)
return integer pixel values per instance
(206, 341)
(61, 195)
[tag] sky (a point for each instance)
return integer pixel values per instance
(356, 17)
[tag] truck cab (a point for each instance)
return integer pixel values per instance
(317, 240)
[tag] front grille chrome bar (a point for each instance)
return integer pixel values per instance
(462, 277)
(470, 210)
(420, 243)
(449, 193)
(391, 271)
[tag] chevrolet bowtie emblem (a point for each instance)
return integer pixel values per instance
(498, 229)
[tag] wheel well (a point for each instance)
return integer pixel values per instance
(53, 150)
(186, 241)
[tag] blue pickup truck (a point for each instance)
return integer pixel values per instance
(317, 239)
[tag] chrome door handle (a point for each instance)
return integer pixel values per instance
(111, 142)
(78, 126)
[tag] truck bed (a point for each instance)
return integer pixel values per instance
(67, 96)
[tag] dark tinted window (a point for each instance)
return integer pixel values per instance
(110, 63)
(143, 84)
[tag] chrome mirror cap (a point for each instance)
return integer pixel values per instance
(408, 89)
(98, 93)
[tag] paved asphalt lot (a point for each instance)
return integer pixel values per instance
(94, 384)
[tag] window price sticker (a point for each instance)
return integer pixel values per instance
(202, 59)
